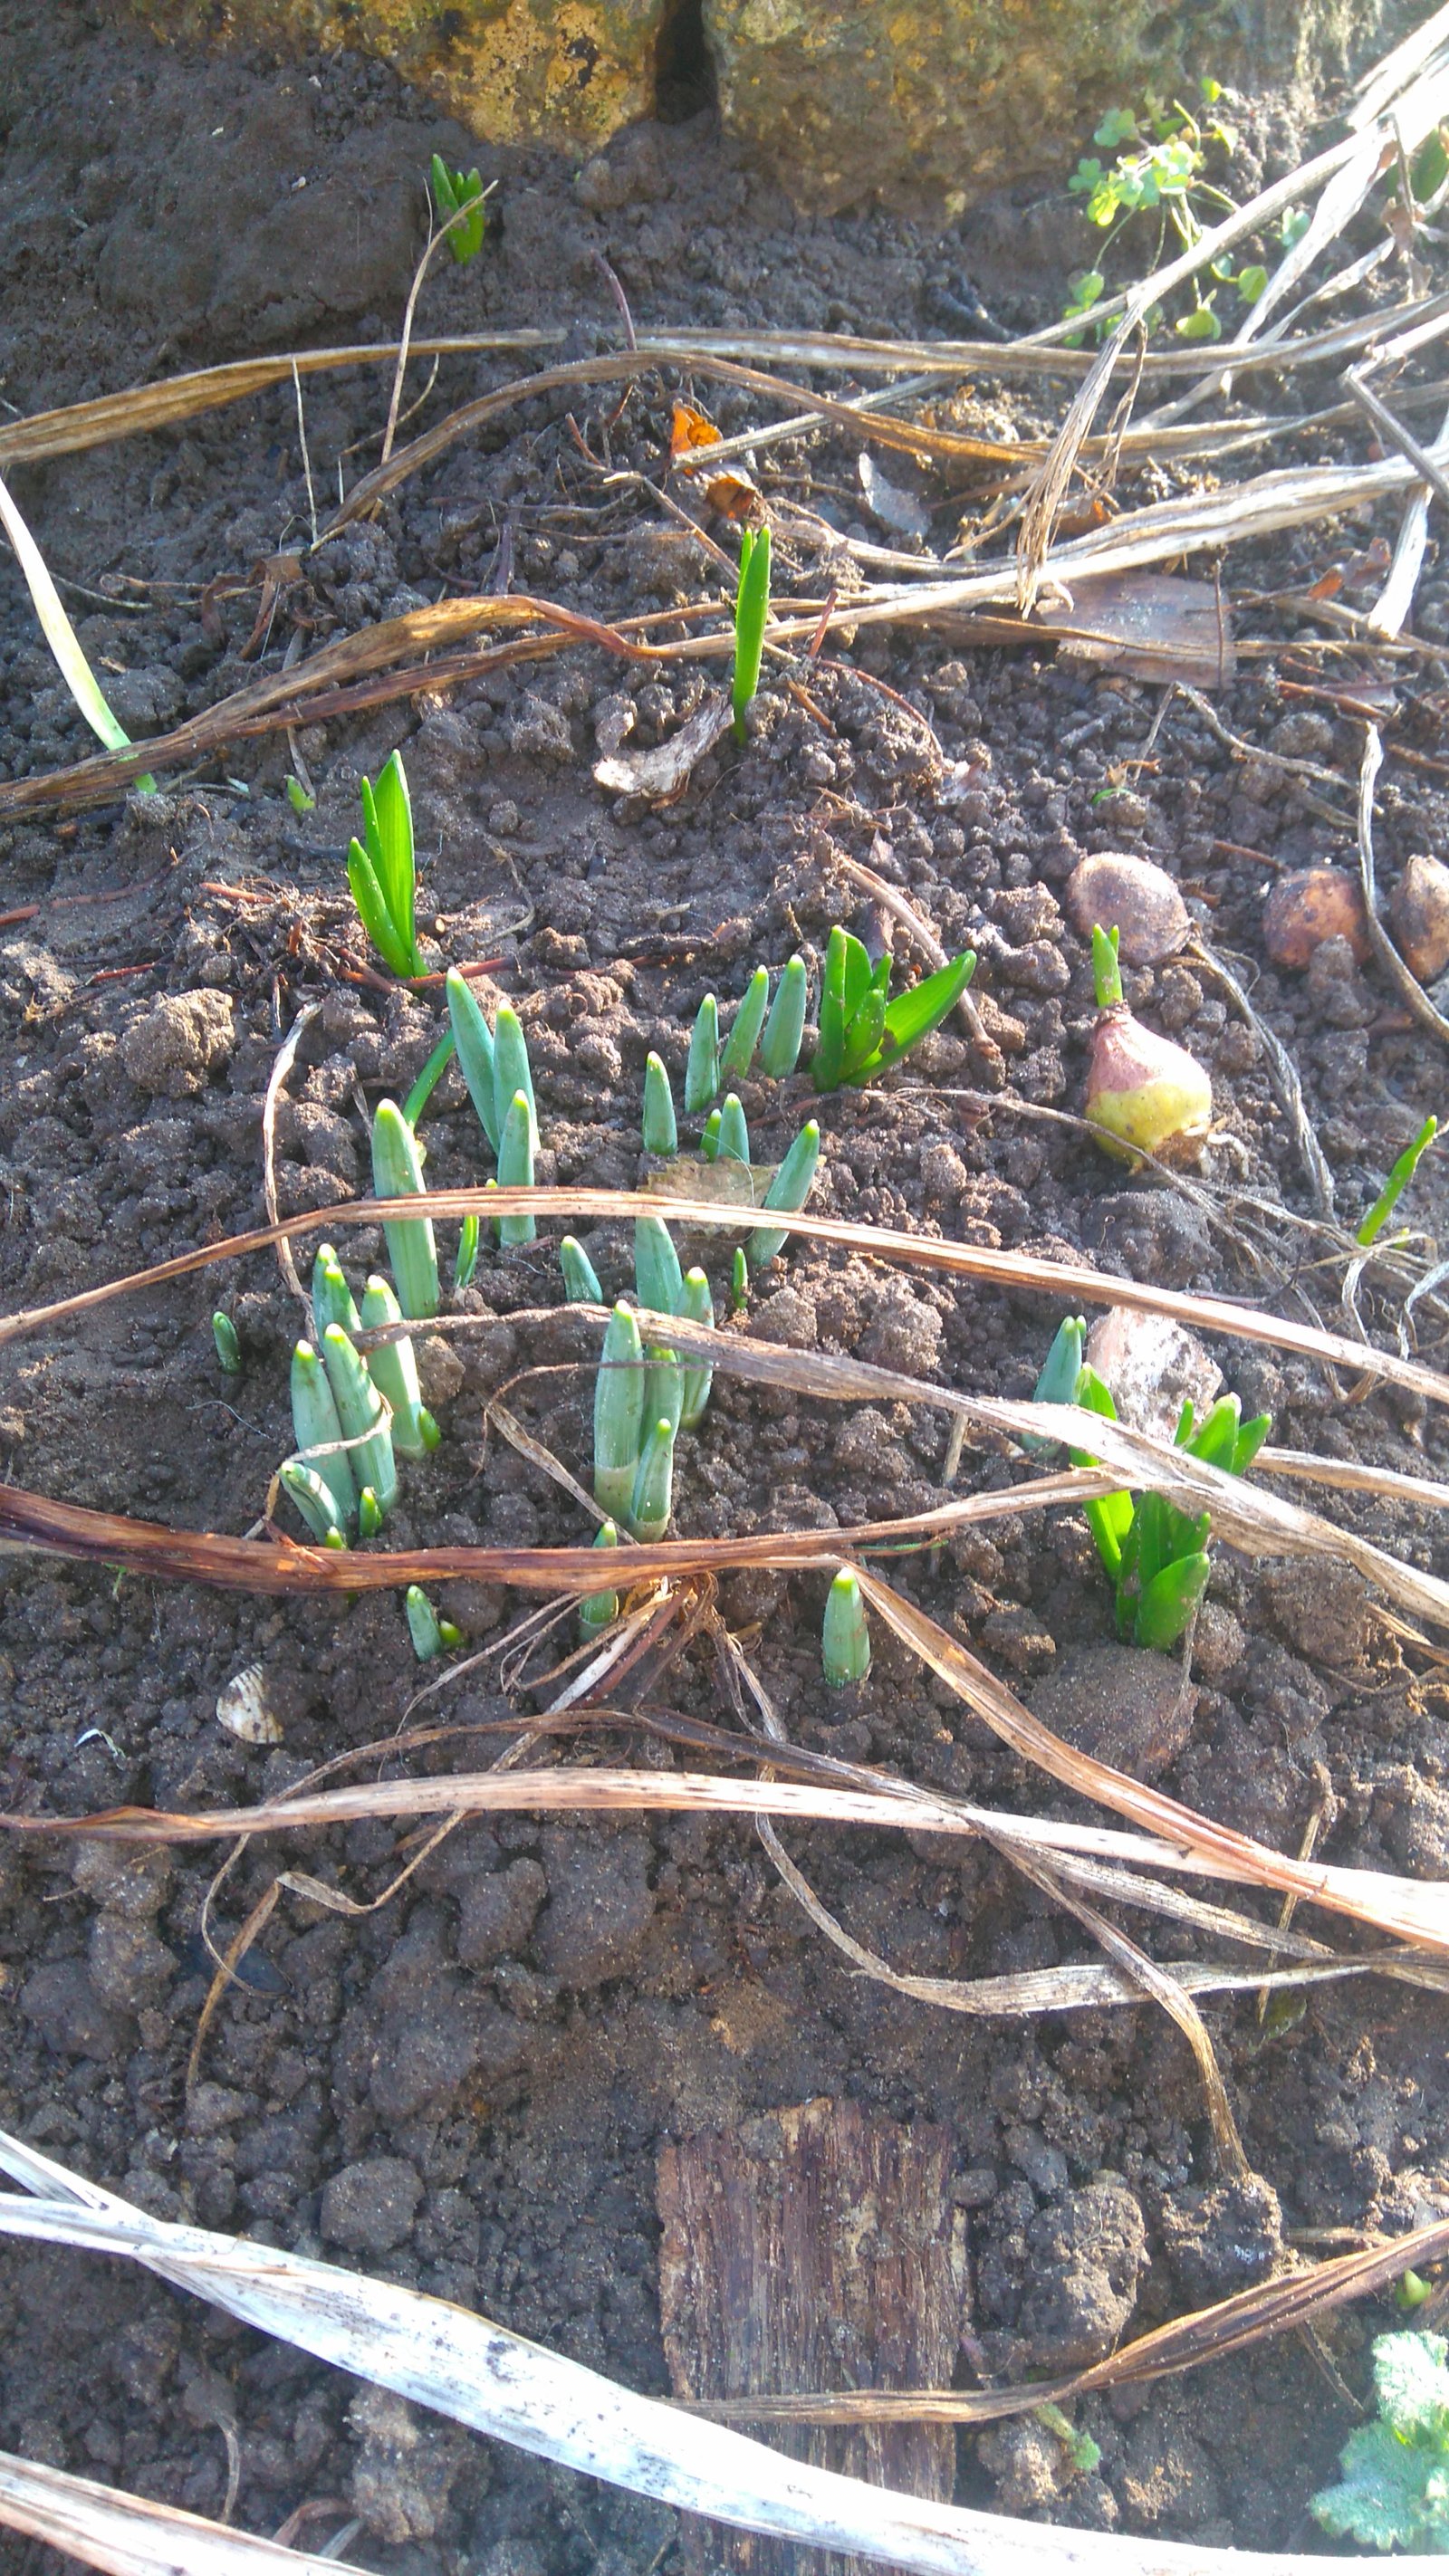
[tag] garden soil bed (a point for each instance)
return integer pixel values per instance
(469, 2088)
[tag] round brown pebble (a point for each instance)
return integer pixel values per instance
(1313, 905)
(1419, 914)
(1133, 897)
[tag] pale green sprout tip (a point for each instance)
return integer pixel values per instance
(789, 1189)
(363, 1416)
(228, 1347)
(618, 1414)
(657, 1274)
(652, 1498)
(785, 1027)
(734, 1134)
(474, 1042)
(467, 1258)
(332, 1300)
(744, 1037)
(397, 1173)
(581, 1280)
(298, 797)
(511, 1072)
(370, 1514)
(845, 1635)
(697, 1379)
(1397, 1182)
(752, 610)
(515, 1166)
(599, 1610)
(660, 1127)
(314, 1502)
(431, 1635)
(739, 1280)
(709, 1137)
(701, 1072)
(393, 1368)
(318, 1431)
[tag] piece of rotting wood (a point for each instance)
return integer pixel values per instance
(814, 2248)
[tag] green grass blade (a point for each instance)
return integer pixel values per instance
(428, 1080)
(474, 1041)
(752, 609)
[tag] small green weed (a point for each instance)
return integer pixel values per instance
(1395, 2488)
(452, 191)
(1397, 1182)
(1161, 166)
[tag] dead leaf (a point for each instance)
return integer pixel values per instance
(664, 773)
(1151, 625)
(692, 436)
(899, 511)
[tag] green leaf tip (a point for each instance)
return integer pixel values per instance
(845, 1636)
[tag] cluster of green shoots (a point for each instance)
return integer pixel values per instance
(1394, 2493)
(862, 1034)
(453, 192)
(1160, 168)
(354, 1417)
(1155, 1555)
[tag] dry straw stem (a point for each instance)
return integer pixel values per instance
(441, 2356)
(71, 428)
(131, 2536)
(1411, 992)
(1208, 2334)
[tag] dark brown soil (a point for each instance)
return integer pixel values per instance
(468, 2089)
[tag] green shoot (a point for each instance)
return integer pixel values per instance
(744, 1037)
(314, 1502)
(397, 1173)
(319, 1434)
(515, 1166)
(657, 1274)
(845, 1636)
(382, 871)
(709, 1136)
(370, 1515)
(652, 1498)
(785, 1027)
(661, 1130)
(363, 1416)
(1059, 1378)
(599, 1610)
(701, 1072)
(430, 1634)
(1411, 2290)
(1085, 2454)
(752, 610)
(734, 1134)
(297, 796)
(474, 1041)
(1395, 2487)
(228, 1348)
(696, 1382)
(1397, 1182)
(1106, 973)
(581, 1282)
(740, 1281)
(618, 1415)
(467, 1258)
(393, 1369)
(452, 191)
(789, 1190)
(512, 1072)
(861, 1032)
(62, 638)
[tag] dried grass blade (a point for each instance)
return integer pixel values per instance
(1409, 1910)
(1174, 1836)
(1409, 989)
(1066, 1282)
(132, 2535)
(1208, 2334)
(441, 2356)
